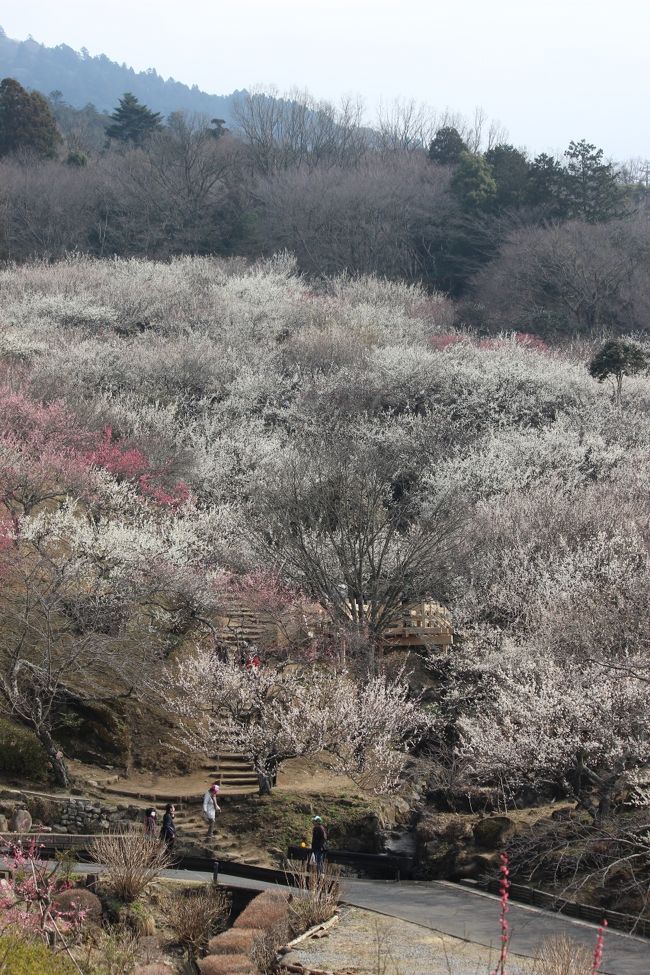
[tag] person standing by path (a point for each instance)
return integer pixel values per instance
(168, 828)
(318, 844)
(210, 809)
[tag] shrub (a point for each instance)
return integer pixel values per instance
(77, 901)
(264, 948)
(195, 914)
(227, 965)
(20, 752)
(316, 898)
(562, 956)
(111, 951)
(137, 917)
(131, 862)
(233, 942)
(20, 957)
(265, 911)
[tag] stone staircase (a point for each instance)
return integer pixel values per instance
(231, 771)
(241, 627)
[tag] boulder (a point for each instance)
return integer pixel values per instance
(7, 896)
(77, 900)
(437, 860)
(21, 821)
(493, 832)
(451, 827)
(470, 866)
(4, 824)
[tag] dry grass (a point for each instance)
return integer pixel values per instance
(562, 956)
(316, 896)
(265, 946)
(110, 951)
(194, 915)
(131, 860)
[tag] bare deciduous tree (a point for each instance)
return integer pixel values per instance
(295, 129)
(353, 535)
(63, 638)
(375, 218)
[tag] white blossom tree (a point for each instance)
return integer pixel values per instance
(584, 727)
(271, 714)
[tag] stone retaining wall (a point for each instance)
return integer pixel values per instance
(89, 816)
(66, 814)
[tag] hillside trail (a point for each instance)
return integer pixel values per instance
(235, 777)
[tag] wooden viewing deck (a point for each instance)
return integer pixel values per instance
(424, 624)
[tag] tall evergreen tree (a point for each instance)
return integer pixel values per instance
(547, 190)
(509, 168)
(616, 359)
(133, 122)
(26, 122)
(447, 146)
(473, 183)
(592, 188)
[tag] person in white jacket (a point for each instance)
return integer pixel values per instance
(211, 808)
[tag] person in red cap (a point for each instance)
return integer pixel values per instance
(211, 808)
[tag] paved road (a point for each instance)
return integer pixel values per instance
(474, 916)
(467, 914)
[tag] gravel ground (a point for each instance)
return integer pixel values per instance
(365, 943)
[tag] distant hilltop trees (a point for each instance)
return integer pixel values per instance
(82, 78)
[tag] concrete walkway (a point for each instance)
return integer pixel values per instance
(470, 915)
(474, 916)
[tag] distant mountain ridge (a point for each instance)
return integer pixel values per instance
(83, 78)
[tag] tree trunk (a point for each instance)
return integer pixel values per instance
(55, 755)
(265, 782)
(267, 773)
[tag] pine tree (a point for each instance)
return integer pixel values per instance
(26, 122)
(447, 146)
(133, 122)
(547, 189)
(473, 183)
(592, 187)
(509, 168)
(616, 359)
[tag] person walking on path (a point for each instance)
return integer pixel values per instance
(168, 828)
(211, 808)
(318, 844)
(150, 822)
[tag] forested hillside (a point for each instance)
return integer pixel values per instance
(550, 245)
(81, 79)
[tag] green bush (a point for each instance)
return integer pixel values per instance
(20, 752)
(19, 957)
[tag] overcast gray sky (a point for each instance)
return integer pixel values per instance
(548, 70)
